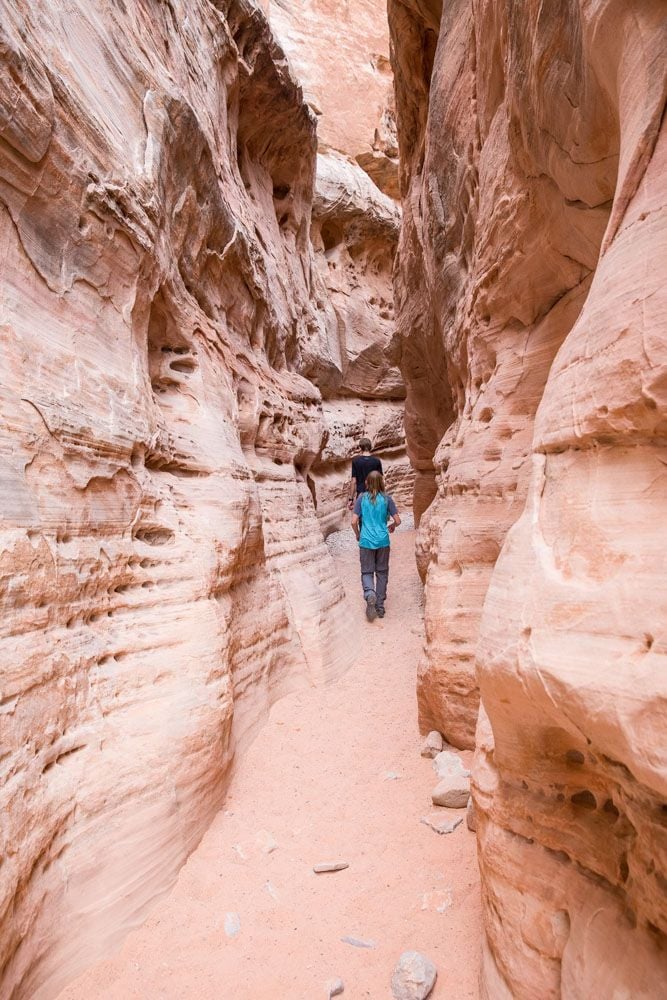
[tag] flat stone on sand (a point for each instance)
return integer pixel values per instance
(330, 866)
(441, 823)
(232, 924)
(357, 942)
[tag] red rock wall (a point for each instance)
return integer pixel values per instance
(531, 308)
(167, 337)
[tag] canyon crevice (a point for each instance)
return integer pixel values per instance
(531, 308)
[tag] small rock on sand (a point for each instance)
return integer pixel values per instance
(453, 788)
(432, 744)
(232, 924)
(357, 942)
(414, 977)
(271, 889)
(440, 823)
(449, 762)
(266, 842)
(471, 819)
(334, 988)
(452, 792)
(330, 866)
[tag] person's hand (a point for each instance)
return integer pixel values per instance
(392, 529)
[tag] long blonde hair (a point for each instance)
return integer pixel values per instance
(374, 485)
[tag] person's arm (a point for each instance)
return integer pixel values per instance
(356, 517)
(351, 489)
(395, 519)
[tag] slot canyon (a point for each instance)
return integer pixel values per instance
(235, 239)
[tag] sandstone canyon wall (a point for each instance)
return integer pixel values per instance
(532, 314)
(341, 56)
(168, 333)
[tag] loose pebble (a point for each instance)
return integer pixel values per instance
(452, 792)
(357, 942)
(330, 866)
(432, 744)
(232, 924)
(266, 842)
(441, 823)
(453, 788)
(448, 762)
(335, 987)
(270, 888)
(414, 977)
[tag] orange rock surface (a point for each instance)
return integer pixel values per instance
(169, 331)
(531, 309)
(340, 53)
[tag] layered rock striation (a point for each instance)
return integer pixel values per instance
(168, 332)
(531, 312)
(342, 58)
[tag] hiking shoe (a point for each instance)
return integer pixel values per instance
(380, 612)
(371, 612)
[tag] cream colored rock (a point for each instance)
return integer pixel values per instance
(432, 745)
(164, 324)
(530, 274)
(414, 977)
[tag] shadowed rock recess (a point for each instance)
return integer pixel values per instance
(531, 311)
(189, 354)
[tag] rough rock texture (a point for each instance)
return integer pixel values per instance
(414, 977)
(432, 744)
(165, 329)
(354, 234)
(340, 55)
(531, 274)
(453, 788)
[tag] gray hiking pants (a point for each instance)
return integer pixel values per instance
(375, 573)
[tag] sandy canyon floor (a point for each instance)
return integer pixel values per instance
(334, 774)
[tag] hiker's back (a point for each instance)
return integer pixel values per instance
(374, 534)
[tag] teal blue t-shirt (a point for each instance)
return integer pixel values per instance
(374, 534)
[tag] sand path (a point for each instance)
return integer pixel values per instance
(247, 922)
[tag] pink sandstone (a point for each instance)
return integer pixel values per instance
(169, 331)
(531, 310)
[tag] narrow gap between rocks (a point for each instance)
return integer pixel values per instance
(335, 774)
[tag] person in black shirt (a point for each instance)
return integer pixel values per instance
(361, 466)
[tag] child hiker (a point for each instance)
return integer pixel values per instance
(372, 510)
